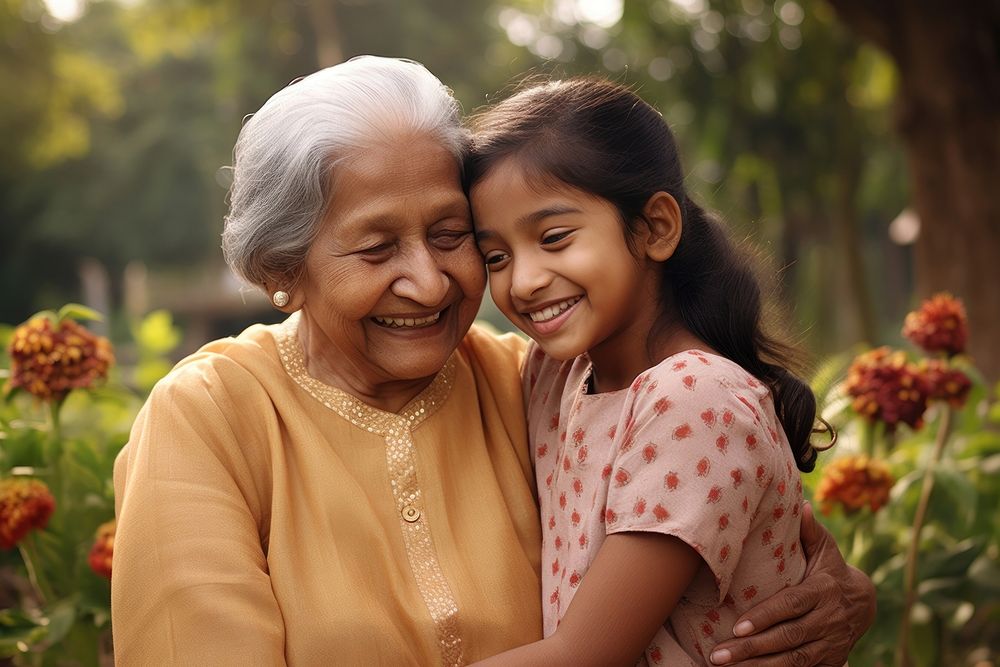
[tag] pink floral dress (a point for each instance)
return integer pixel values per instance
(692, 449)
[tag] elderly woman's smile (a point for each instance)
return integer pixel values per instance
(394, 263)
(408, 322)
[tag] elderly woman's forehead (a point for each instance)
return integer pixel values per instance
(412, 180)
(399, 160)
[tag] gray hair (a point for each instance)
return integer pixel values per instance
(285, 155)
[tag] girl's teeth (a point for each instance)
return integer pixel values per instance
(399, 322)
(551, 311)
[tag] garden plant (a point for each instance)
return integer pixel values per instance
(910, 491)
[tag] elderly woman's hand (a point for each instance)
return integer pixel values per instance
(814, 623)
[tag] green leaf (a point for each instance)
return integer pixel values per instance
(984, 576)
(979, 444)
(156, 333)
(994, 413)
(11, 392)
(953, 562)
(830, 371)
(990, 465)
(78, 311)
(50, 315)
(960, 495)
(149, 372)
(924, 646)
(60, 620)
(21, 632)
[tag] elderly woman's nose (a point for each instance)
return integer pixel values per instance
(424, 279)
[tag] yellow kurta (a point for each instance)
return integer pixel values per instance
(266, 518)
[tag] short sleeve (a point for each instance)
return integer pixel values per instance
(190, 583)
(695, 459)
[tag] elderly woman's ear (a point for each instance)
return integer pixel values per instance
(284, 298)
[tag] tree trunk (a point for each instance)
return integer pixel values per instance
(948, 115)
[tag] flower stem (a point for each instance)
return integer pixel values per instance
(859, 544)
(55, 456)
(29, 554)
(912, 552)
(868, 438)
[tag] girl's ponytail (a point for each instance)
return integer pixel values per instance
(715, 292)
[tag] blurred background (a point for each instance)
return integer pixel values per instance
(854, 144)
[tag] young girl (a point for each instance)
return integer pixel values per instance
(665, 430)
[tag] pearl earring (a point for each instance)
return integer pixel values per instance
(280, 298)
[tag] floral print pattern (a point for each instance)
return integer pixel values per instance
(692, 449)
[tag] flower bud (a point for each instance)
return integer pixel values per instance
(854, 482)
(103, 551)
(946, 383)
(939, 325)
(25, 505)
(887, 388)
(48, 360)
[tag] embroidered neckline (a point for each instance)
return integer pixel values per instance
(351, 408)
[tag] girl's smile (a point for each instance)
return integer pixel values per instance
(548, 319)
(561, 271)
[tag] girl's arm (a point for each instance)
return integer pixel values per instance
(816, 622)
(627, 594)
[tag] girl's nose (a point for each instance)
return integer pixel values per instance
(528, 279)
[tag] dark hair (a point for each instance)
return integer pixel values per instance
(601, 138)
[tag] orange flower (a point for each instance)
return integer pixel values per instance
(887, 388)
(25, 505)
(946, 383)
(48, 360)
(103, 550)
(854, 482)
(939, 325)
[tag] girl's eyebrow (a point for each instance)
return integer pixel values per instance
(531, 219)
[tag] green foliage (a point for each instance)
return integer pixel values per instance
(958, 567)
(782, 115)
(155, 337)
(63, 608)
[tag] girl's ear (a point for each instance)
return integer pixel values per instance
(663, 220)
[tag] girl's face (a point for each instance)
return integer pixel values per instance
(559, 266)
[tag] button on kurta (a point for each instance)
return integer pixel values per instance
(410, 513)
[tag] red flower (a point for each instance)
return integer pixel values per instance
(854, 482)
(887, 388)
(25, 505)
(103, 550)
(48, 360)
(939, 325)
(946, 384)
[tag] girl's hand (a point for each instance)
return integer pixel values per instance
(814, 623)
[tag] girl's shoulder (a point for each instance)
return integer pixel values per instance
(695, 377)
(691, 367)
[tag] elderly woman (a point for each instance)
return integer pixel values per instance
(352, 486)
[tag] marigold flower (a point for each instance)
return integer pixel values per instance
(887, 388)
(103, 550)
(854, 482)
(25, 505)
(946, 383)
(48, 360)
(939, 325)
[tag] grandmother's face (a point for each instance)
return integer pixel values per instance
(394, 279)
